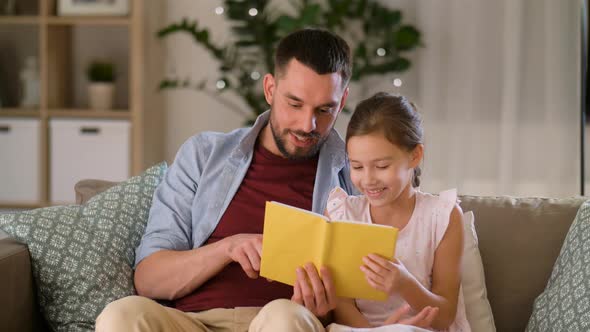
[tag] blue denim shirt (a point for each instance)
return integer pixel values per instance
(207, 172)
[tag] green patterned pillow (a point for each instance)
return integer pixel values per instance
(82, 256)
(564, 305)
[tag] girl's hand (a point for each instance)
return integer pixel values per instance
(385, 275)
(423, 319)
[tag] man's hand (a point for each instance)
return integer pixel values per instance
(246, 249)
(315, 293)
(423, 319)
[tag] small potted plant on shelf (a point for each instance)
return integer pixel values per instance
(101, 76)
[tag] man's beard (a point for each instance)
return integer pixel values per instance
(299, 153)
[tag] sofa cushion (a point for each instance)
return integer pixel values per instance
(565, 303)
(519, 240)
(82, 256)
(477, 307)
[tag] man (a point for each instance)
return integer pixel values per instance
(202, 245)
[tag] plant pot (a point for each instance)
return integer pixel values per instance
(100, 95)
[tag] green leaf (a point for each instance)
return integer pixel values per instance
(168, 84)
(333, 20)
(246, 43)
(406, 38)
(202, 36)
(393, 17)
(310, 15)
(361, 8)
(286, 23)
(101, 71)
(243, 30)
(361, 50)
(400, 64)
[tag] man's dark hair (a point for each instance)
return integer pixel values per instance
(321, 50)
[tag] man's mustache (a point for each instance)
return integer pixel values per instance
(313, 134)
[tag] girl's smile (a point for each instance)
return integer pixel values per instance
(379, 169)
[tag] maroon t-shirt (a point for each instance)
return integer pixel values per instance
(269, 178)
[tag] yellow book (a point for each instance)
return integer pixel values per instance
(293, 237)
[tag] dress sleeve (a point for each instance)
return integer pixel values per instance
(446, 202)
(336, 205)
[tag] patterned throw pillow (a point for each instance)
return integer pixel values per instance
(82, 256)
(564, 305)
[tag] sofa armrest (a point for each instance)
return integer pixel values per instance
(17, 293)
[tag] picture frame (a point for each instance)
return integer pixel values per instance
(93, 7)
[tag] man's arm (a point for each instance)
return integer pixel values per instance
(169, 274)
(167, 265)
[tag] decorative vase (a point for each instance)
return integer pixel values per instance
(101, 95)
(29, 78)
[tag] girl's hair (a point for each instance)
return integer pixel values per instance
(393, 116)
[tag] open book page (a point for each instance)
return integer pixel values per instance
(349, 243)
(292, 237)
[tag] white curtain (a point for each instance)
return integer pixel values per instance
(499, 90)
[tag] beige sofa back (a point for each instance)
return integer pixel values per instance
(519, 241)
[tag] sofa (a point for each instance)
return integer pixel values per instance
(519, 241)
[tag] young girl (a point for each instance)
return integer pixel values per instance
(384, 145)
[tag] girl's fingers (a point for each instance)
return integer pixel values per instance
(430, 317)
(378, 278)
(379, 265)
(423, 319)
(419, 319)
(398, 314)
(393, 261)
(375, 283)
(385, 263)
(373, 266)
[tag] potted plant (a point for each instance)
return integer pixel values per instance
(101, 75)
(380, 41)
